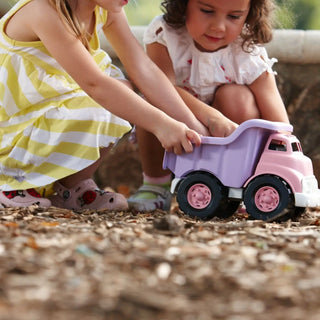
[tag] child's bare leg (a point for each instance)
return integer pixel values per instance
(154, 193)
(84, 174)
(236, 102)
(151, 154)
(79, 191)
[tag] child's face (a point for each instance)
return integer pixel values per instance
(213, 24)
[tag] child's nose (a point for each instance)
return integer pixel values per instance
(218, 24)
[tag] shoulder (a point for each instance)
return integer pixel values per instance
(249, 65)
(41, 11)
(159, 31)
(240, 53)
(21, 27)
(33, 8)
(154, 31)
(46, 20)
(38, 7)
(157, 21)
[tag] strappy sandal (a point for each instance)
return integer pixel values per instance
(87, 195)
(162, 201)
(22, 198)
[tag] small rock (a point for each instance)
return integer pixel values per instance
(169, 222)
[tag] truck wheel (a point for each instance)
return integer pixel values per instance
(293, 214)
(199, 195)
(267, 197)
(227, 208)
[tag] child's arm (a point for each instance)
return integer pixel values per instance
(148, 78)
(108, 92)
(268, 98)
(214, 120)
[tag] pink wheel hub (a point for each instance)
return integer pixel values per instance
(267, 199)
(199, 196)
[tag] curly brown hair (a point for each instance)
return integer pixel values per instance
(257, 28)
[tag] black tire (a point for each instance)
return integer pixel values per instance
(227, 208)
(210, 195)
(292, 214)
(267, 198)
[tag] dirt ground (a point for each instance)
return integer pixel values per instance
(58, 264)
(65, 265)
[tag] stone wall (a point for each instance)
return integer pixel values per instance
(299, 85)
(298, 68)
(298, 79)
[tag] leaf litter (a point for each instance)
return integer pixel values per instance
(59, 264)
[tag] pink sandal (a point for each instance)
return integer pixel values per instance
(23, 198)
(87, 195)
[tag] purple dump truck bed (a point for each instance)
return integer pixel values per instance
(232, 159)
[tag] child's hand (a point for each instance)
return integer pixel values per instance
(221, 127)
(177, 137)
(199, 127)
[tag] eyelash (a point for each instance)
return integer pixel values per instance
(234, 17)
(207, 11)
(211, 12)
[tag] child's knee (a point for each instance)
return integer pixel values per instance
(236, 102)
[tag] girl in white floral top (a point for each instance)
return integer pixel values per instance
(211, 51)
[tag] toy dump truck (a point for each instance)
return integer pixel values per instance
(261, 163)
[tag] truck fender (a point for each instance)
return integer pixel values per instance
(271, 174)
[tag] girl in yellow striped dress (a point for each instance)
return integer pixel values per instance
(63, 104)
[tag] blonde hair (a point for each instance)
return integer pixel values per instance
(65, 12)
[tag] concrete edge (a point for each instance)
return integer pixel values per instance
(288, 46)
(295, 46)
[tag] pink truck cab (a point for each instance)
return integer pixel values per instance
(261, 163)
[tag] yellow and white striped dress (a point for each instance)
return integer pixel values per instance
(50, 128)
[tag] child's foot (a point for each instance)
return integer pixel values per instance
(87, 195)
(22, 198)
(150, 197)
